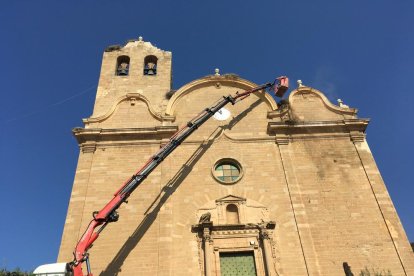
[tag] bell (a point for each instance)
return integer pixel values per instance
(121, 72)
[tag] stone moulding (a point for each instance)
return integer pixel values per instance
(131, 97)
(290, 127)
(233, 227)
(230, 199)
(84, 135)
(284, 131)
(254, 139)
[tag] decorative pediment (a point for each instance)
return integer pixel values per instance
(217, 82)
(309, 104)
(230, 199)
(309, 113)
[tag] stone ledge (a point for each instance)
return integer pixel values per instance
(317, 127)
(227, 227)
(84, 135)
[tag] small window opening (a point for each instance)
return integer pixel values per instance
(122, 67)
(150, 65)
(232, 213)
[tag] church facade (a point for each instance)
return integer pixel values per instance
(263, 188)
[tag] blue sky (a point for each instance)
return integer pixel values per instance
(51, 52)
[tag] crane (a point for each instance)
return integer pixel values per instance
(109, 214)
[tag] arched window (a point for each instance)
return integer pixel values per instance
(122, 66)
(150, 65)
(232, 214)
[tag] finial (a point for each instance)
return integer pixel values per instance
(217, 72)
(299, 83)
(341, 103)
(140, 38)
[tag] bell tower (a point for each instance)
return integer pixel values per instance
(136, 69)
(127, 124)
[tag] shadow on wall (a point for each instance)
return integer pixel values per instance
(114, 267)
(239, 117)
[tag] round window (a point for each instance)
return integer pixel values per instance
(227, 171)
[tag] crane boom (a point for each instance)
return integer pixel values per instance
(109, 213)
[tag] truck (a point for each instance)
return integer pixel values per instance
(109, 214)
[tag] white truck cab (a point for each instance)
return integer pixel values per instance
(56, 269)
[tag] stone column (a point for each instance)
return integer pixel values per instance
(207, 251)
(267, 252)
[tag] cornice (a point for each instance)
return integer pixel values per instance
(84, 135)
(228, 227)
(289, 128)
